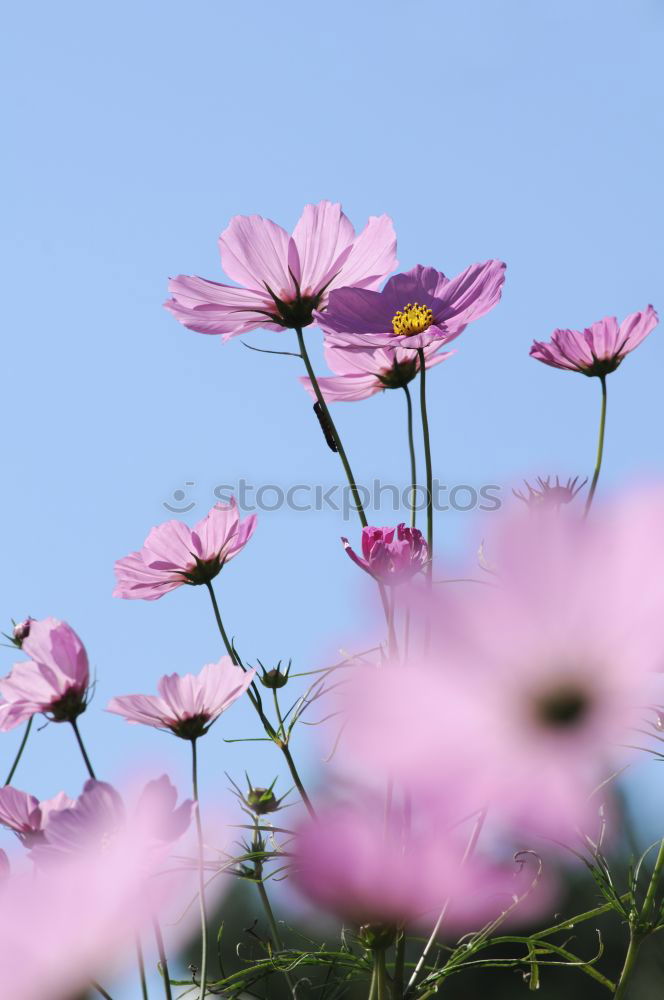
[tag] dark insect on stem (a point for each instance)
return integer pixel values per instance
(325, 427)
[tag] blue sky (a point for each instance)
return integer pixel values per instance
(134, 132)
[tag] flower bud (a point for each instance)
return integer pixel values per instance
(275, 678)
(21, 631)
(262, 801)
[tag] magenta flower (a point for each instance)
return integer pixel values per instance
(187, 705)
(391, 555)
(26, 815)
(174, 554)
(282, 279)
(363, 373)
(54, 681)
(414, 309)
(600, 348)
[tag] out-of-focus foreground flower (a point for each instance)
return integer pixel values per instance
(600, 348)
(97, 885)
(533, 683)
(363, 866)
(282, 279)
(53, 681)
(186, 705)
(174, 554)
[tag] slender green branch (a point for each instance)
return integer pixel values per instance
(20, 751)
(600, 446)
(79, 740)
(427, 458)
(651, 892)
(265, 900)
(162, 958)
(201, 868)
(280, 740)
(413, 461)
(330, 422)
(102, 992)
(141, 969)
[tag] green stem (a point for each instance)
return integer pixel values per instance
(77, 734)
(600, 446)
(580, 918)
(297, 780)
(20, 751)
(255, 699)
(265, 900)
(220, 625)
(628, 968)
(638, 934)
(427, 458)
(201, 876)
(162, 958)
(649, 901)
(141, 969)
(335, 433)
(399, 964)
(102, 992)
(413, 461)
(381, 978)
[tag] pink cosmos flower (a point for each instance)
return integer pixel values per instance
(282, 279)
(414, 309)
(534, 683)
(76, 918)
(53, 681)
(391, 555)
(26, 815)
(600, 348)
(363, 373)
(174, 554)
(187, 705)
(363, 869)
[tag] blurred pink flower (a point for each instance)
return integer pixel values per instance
(282, 279)
(92, 823)
(363, 373)
(187, 705)
(354, 864)
(391, 555)
(76, 918)
(53, 681)
(535, 682)
(26, 815)
(548, 494)
(600, 348)
(174, 554)
(414, 309)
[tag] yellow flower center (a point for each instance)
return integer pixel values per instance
(413, 318)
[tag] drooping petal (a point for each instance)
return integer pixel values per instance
(344, 388)
(636, 327)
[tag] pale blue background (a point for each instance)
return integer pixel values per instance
(519, 129)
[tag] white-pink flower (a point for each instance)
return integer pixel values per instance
(26, 815)
(186, 705)
(174, 554)
(53, 681)
(282, 279)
